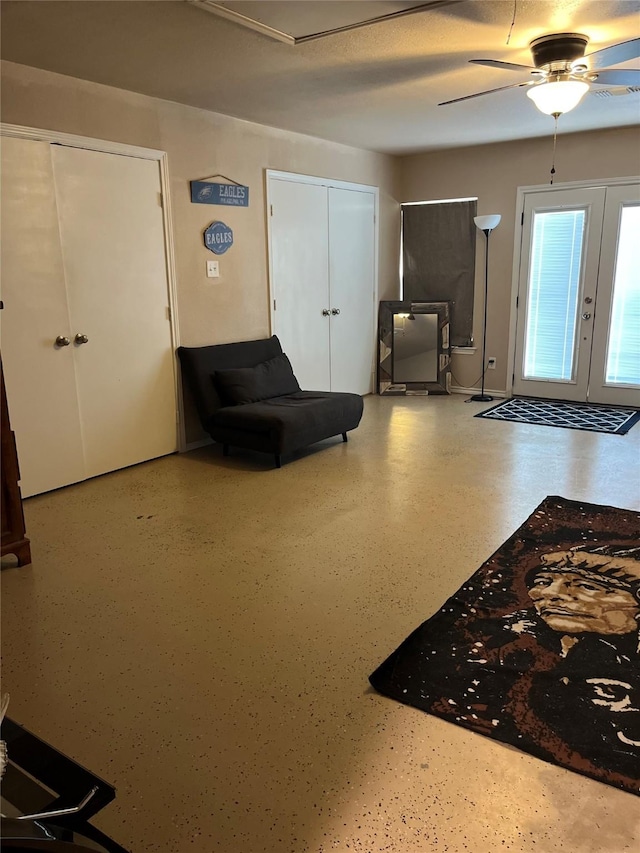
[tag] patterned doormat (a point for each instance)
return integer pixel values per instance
(539, 648)
(569, 415)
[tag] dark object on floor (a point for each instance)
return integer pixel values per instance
(247, 396)
(539, 648)
(48, 798)
(14, 540)
(571, 415)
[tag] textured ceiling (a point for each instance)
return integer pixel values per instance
(304, 21)
(376, 87)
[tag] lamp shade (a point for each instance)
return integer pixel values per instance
(557, 96)
(487, 222)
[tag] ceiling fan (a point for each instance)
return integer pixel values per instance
(562, 72)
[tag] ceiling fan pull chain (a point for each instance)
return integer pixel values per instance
(553, 159)
(515, 5)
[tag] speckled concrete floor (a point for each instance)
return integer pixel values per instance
(199, 631)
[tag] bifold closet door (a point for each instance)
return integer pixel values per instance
(351, 288)
(322, 252)
(112, 237)
(84, 260)
(40, 377)
(300, 279)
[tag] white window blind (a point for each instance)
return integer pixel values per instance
(623, 354)
(554, 284)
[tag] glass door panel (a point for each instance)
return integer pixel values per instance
(558, 281)
(623, 353)
(615, 363)
(554, 279)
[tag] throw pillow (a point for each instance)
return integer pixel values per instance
(272, 378)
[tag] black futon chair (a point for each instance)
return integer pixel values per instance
(247, 396)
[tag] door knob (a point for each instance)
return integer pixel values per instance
(81, 339)
(325, 312)
(335, 311)
(61, 341)
(586, 316)
(588, 300)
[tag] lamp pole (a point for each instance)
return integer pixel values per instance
(486, 224)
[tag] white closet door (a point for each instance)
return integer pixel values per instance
(300, 279)
(40, 377)
(351, 284)
(113, 247)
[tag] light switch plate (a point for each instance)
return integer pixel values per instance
(213, 269)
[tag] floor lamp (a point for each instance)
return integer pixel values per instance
(487, 224)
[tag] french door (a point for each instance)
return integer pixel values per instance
(578, 322)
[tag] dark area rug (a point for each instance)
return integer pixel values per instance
(539, 648)
(570, 415)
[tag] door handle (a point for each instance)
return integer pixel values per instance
(586, 316)
(62, 341)
(325, 312)
(81, 339)
(335, 311)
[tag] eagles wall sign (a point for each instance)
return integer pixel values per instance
(218, 237)
(208, 192)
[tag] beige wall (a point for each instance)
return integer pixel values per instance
(200, 144)
(493, 173)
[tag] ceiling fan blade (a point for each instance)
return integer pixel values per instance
(496, 63)
(615, 54)
(487, 92)
(618, 77)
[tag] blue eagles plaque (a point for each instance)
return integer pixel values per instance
(218, 237)
(208, 192)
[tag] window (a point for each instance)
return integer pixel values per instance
(554, 279)
(438, 259)
(623, 356)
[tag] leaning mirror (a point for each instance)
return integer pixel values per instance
(415, 356)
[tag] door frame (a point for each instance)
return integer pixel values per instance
(295, 177)
(517, 251)
(72, 141)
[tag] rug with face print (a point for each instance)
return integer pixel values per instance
(540, 647)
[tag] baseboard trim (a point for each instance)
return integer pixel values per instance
(456, 389)
(194, 445)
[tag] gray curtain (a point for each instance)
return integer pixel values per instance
(439, 252)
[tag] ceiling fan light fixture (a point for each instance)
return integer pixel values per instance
(556, 97)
